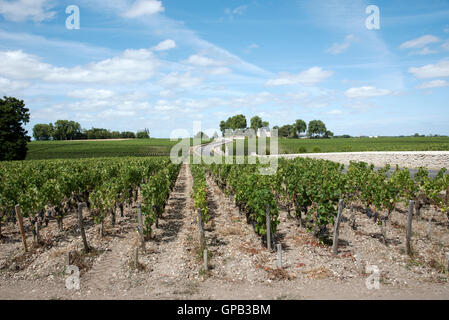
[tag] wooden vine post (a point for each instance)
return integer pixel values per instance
(336, 227)
(206, 264)
(81, 226)
(268, 219)
(408, 250)
(22, 230)
(279, 255)
(201, 229)
(140, 226)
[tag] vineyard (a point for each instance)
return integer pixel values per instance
(147, 219)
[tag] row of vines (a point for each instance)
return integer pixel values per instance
(53, 188)
(312, 188)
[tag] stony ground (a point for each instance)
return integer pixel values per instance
(240, 266)
(408, 159)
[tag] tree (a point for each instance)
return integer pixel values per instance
(265, 124)
(328, 134)
(42, 132)
(287, 131)
(237, 122)
(127, 135)
(66, 130)
(201, 135)
(143, 134)
(300, 126)
(316, 128)
(223, 127)
(256, 123)
(13, 137)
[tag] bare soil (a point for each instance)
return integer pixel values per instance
(240, 266)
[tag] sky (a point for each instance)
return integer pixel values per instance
(162, 65)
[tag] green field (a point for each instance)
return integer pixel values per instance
(363, 144)
(40, 150)
(291, 146)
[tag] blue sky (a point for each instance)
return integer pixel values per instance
(136, 64)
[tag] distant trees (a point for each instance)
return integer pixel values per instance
(13, 137)
(317, 128)
(234, 123)
(145, 134)
(71, 130)
(257, 123)
(287, 131)
(67, 130)
(43, 132)
(300, 126)
(201, 135)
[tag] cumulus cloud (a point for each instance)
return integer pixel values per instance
(220, 71)
(22, 10)
(177, 80)
(144, 8)
(203, 61)
(165, 45)
(130, 66)
(433, 84)
(341, 47)
(420, 42)
(7, 86)
(365, 92)
(308, 77)
(92, 94)
(440, 69)
(240, 10)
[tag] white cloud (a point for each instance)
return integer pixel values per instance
(240, 10)
(433, 84)
(177, 80)
(22, 10)
(311, 76)
(420, 42)
(365, 92)
(334, 112)
(7, 86)
(143, 8)
(441, 69)
(424, 51)
(202, 61)
(130, 66)
(341, 47)
(220, 71)
(445, 45)
(91, 94)
(165, 45)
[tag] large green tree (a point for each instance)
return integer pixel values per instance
(234, 123)
(256, 123)
(287, 131)
(317, 128)
(13, 137)
(300, 126)
(66, 130)
(42, 132)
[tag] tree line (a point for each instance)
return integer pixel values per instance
(315, 128)
(71, 130)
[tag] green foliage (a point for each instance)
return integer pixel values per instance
(234, 123)
(13, 137)
(143, 134)
(199, 194)
(43, 132)
(316, 128)
(366, 144)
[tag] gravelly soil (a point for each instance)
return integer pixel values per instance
(240, 265)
